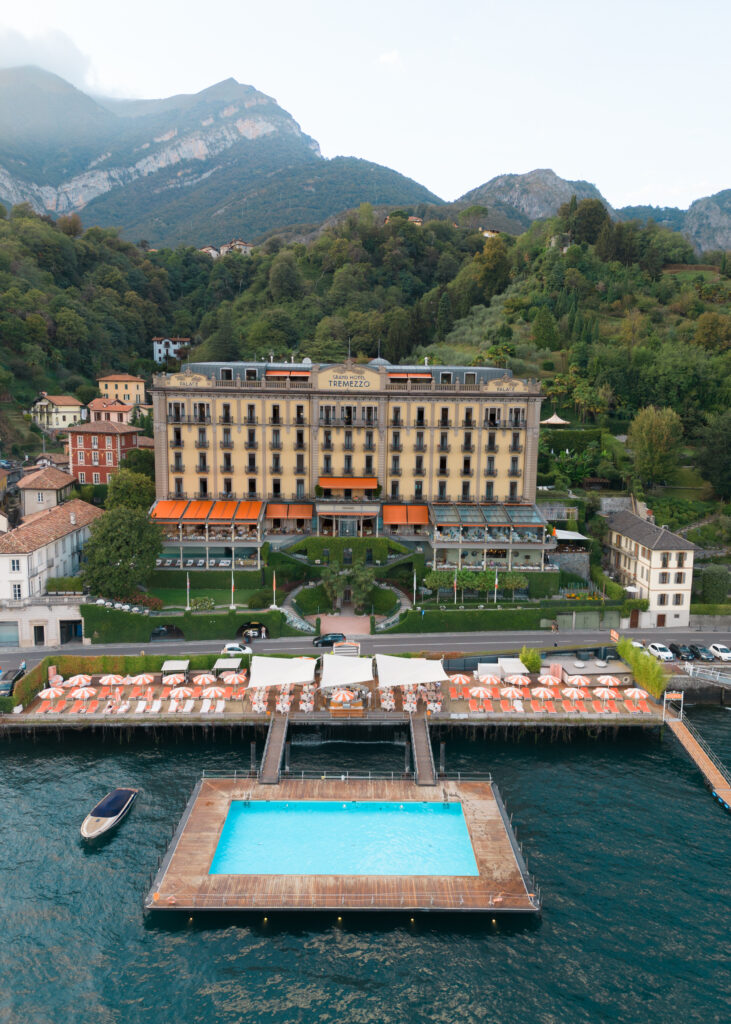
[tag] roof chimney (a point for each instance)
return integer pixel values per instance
(72, 518)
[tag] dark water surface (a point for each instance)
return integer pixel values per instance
(632, 856)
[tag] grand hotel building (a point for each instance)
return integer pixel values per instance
(441, 454)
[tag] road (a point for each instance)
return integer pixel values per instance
(392, 643)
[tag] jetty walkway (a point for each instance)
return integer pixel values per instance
(715, 773)
(424, 771)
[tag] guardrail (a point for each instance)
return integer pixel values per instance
(351, 776)
(715, 760)
(363, 900)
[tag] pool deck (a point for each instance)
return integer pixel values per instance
(502, 886)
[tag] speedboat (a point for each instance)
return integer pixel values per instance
(108, 812)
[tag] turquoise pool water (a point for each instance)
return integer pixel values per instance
(355, 838)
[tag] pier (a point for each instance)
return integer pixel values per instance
(503, 885)
(717, 776)
(271, 763)
(424, 771)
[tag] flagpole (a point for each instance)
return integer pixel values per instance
(187, 592)
(414, 586)
(273, 605)
(232, 606)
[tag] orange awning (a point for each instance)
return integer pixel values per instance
(276, 511)
(248, 511)
(198, 511)
(418, 515)
(288, 373)
(420, 376)
(169, 511)
(222, 511)
(353, 483)
(300, 511)
(394, 515)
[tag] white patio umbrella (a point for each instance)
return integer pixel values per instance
(549, 680)
(112, 680)
(636, 693)
(84, 692)
(143, 679)
(204, 679)
(460, 680)
(234, 678)
(51, 691)
(608, 681)
(518, 680)
(511, 691)
(578, 680)
(342, 696)
(213, 691)
(181, 691)
(481, 691)
(55, 680)
(572, 692)
(491, 680)
(543, 692)
(605, 692)
(80, 680)
(176, 679)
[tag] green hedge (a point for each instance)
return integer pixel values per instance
(106, 625)
(710, 609)
(543, 584)
(314, 547)
(289, 570)
(560, 438)
(312, 600)
(401, 573)
(210, 579)
(570, 579)
(65, 583)
(467, 621)
(382, 600)
(613, 590)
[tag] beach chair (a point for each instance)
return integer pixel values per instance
(644, 707)
(76, 707)
(92, 707)
(44, 707)
(135, 693)
(537, 705)
(172, 707)
(453, 693)
(104, 692)
(474, 706)
(580, 706)
(206, 706)
(165, 693)
(631, 707)
(486, 706)
(196, 692)
(141, 705)
(549, 707)
(568, 706)
(526, 693)
(187, 707)
(220, 707)
(59, 707)
(518, 705)
(505, 705)
(598, 707)
(612, 706)
(123, 708)
(155, 707)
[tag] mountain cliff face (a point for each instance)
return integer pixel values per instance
(165, 169)
(534, 195)
(708, 222)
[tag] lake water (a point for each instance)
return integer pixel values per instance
(631, 854)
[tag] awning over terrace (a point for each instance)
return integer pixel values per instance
(187, 512)
(266, 672)
(394, 671)
(494, 514)
(340, 671)
(278, 510)
(352, 483)
(401, 515)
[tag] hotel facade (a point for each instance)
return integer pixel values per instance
(447, 454)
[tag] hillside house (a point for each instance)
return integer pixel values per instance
(56, 412)
(43, 490)
(123, 387)
(96, 450)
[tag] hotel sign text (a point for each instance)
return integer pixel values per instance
(347, 380)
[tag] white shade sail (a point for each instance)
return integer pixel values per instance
(408, 671)
(340, 671)
(176, 666)
(266, 672)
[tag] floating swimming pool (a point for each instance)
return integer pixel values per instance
(333, 838)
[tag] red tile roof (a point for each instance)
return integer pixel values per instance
(103, 427)
(61, 400)
(49, 527)
(109, 404)
(48, 479)
(122, 376)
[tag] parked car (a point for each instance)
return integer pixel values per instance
(682, 652)
(236, 648)
(720, 651)
(700, 652)
(660, 651)
(253, 629)
(328, 639)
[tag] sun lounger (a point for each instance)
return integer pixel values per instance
(644, 707)
(537, 705)
(568, 706)
(220, 707)
(580, 706)
(474, 706)
(104, 692)
(196, 692)
(76, 707)
(206, 706)
(141, 705)
(612, 705)
(598, 707)
(165, 692)
(526, 693)
(123, 708)
(172, 707)
(518, 705)
(550, 708)
(136, 692)
(155, 707)
(44, 707)
(453, 693)
(187, 707)
(92, 708)
(59, 707)
(505, 705)
(631, 707)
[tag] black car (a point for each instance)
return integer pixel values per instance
(252, 630)
(328, 639)
(700, 652)
(682, 652)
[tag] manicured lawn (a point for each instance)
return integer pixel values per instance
(176, 598)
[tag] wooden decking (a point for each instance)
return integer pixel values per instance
(183, 881)
(713, 772)
(424, 772)
(272, 760)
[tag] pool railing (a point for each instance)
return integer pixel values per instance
(347, 776)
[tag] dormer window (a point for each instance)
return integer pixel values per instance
(227, 373)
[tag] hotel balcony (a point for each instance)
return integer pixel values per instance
(395, 447)
(442, 471)
(515, 448)
(394, 471)
(227, 420)
(419, 447)
(515, 471)
(251, 469)
(275, 446)
(177, 467)
(225, 468)
(202, 495)
(226, 444)
(251, 446)
(179, 443)
(492, 449)
(276, 470)
(201, 444)
(227, 495)
(444, 448)
(468, 448)
(419, 471)
(490, 471)
(466, 471)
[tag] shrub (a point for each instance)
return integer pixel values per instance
(202, 604)
(373, 625)
(64, 583)
(314, 548)
(106, 625)
(313, 599)
(710, 609)
(207, 579)
(260, 599)
(570, 579)
(382, 600)
(543, 584)
(318, 626)
(148, 601)
(613, 590)
(647, 671)
(714, 584)
(531, 658)
(468, 620)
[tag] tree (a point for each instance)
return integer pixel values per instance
(531, 658)
(119, 556)
(333, 581)
(655, 437)
(713, 455)
(222, 345)
(134, 490)
(590, 217)
(360, 579)
(141, 461)
(714, 584)
(512, 581)
(545, 334)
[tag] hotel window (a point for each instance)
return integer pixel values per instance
(662, 599)
(82, 478)
(680, 577)
(489, 491)
(15, 565)
(442, 466)
(677, 599)
(300, 414)
(81, 457)
(368, 464)
(395, 464)
(250, 414)
(276, 488)
(252, 485)
(300, 489)
(348, 465)
(40, 499)
(300, 465)
(227, 373)
(442, 491)
(275, 414)
(110, 458)
(96, 478)
(108, 441)
(445, 378)
(665, 559)
(95, 441)
(681, 559)
(348, 440)
(79, 441)
(95, 458)
(420, 421)
(178, 487)
(513, 495)
(418, 490)
(394, 489)
(327, 467)
(203, 486)
(470, 379)
(664, 577)
(444, 418)
(17, 591)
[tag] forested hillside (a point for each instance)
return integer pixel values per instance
(612, 316)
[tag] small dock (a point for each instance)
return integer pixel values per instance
(271, 762)
(183, 882)
(424, 771)
(715, 773)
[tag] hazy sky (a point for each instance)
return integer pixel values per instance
(632, 95)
